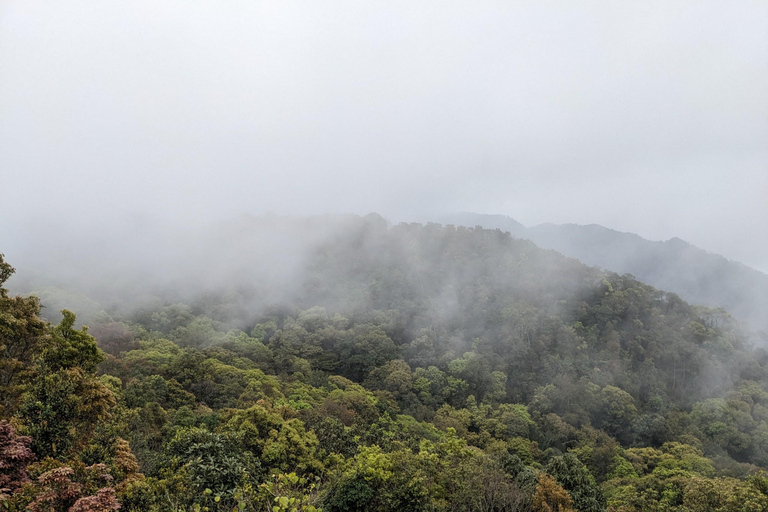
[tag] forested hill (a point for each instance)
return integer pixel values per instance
(341, 364)
(700, 277)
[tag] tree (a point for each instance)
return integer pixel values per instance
(62, 410)
(575, 478)
(615, 412)
(213, 465)
(277, 443)
(550, 497)
(378, 482)
(22, 335)
(368, 348)
(15, 455)
(62, 488)
(71, 348)
(64, 405)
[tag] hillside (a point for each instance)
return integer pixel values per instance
(698, 276)
(414, 367)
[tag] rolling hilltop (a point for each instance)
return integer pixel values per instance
(698, 276)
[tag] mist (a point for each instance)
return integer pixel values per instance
(650, 118)
(383, 255)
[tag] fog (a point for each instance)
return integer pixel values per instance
(476, 244)
(648, 117)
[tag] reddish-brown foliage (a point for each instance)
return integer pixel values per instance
(56, 491)
(103, 501)
(15, 456)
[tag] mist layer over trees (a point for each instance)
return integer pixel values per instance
(159, 353)
(696, 275)
(339, 363)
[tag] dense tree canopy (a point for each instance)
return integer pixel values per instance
(414, 368)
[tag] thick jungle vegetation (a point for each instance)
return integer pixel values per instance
(414, 367)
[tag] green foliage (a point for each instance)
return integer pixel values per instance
(574, 477)
(22, 337)
(212, 465)
(71, 347)
(278, 443)
(290, 493)
(440, 369)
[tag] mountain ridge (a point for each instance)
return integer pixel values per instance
(697, 275)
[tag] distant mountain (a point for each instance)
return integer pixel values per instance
(698, 276)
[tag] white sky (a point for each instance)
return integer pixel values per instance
(650, 117)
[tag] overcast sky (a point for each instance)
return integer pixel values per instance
(649, 117)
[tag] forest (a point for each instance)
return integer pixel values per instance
(697, 275)
(409, 367)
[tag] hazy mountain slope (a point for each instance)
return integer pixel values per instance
(698, 276)
(330, 261)
(321, 345)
